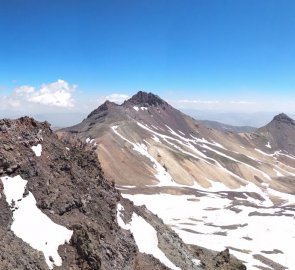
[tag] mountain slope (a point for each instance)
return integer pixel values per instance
(280, 133)
(150, 136)
(212, 187)
(59, 212)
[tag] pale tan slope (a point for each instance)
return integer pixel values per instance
(236, 170)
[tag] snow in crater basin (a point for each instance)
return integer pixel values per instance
(136, 108)
(198, 220)
(31, 225)
(145, 237)
(37, 149)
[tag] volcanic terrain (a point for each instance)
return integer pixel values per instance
(215, 189)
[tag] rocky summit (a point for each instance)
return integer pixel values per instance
(144, 99)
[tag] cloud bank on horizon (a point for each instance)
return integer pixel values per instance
(63, 96)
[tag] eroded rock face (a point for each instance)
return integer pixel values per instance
(144, 99)
(283, 118)
(280, 133)
(69, 187)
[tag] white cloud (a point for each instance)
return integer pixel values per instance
(57, 94)
(25, 89)
(242, 102)
(193, 101)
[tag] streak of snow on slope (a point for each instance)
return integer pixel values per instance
(136, 108)
(30, 224)
(238, 161)
(200, 220)
(249, 187)
(189, 143)
(156, 139)
(279, 174)
(199, 155)
(145, 237)
(162, 175)
(37, 149)
(283, 154)
(263, 153)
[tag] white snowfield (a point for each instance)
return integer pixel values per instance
(261, 228)
(37, 150)
(207, 221)
(31, 225)
(145, 237)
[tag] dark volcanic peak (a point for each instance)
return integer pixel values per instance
(103, 107)
(283, 118)
(145, 99)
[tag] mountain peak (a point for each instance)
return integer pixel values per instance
(145, 99)
(103, 107)
(283, 118)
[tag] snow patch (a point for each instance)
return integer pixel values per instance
(197, 262)
(37, 149)
(136, 108)
(156, 139)
(268, 145)
(145, 237)
(30, 224)
(279, 174)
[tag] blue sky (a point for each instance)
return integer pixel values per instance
(229, 51)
